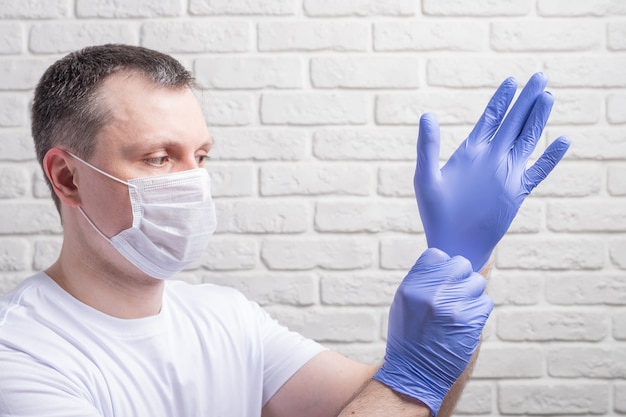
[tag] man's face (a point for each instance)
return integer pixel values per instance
(153, 131)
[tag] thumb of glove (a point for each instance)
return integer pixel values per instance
(428, 146)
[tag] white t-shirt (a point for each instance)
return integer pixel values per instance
(209, 352)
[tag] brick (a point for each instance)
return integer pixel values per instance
(47, 251)
(424, 35)
(529, 218)
(34, 9)
(515, 288)
(553, 398)
(476, 8)
(616, 34)
(587, 362)
(360, 8)
(329, 325)
(245, 73)
(313, 108)
(529, 252)
(308, 253)
(122, 9)
(365, 72)
(69, 36)
(40, 187)
(451, 71)
(396, 180)
(340, 36)
(196, 36)
(312, 179)
(591, 71)
(596, 143)
(29, 217)
(550, 325)
(587, 216)
(20, 73)
(226, 254)
(599, 288)
(351, 216)
(259, 144)
(401, 253)
(617, 252)
(14, 254)
(619, 325)
(361, 288)
(568, 8)
(573, 109)
(572, 179)
(546, 35)
(14, 181)
(509, 362)
(619, 395)
(242, 7)
(271, 288)
(477, 398)
(228, 109)
(11, 38)
(231, 180)
(256, 216)
(366, 144)
(615, 105)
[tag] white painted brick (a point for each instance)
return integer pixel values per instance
(363, 216)
(477, 398)
(269, 289)
(306, 35)
(580, 7)
(366, 144)
(34, 9)
(231, 180)
(572, 179)
(588, 362)
(260, 216)
(619, 397)
(515, 288)
(20, 73)
(401, 253)
(242, 7)
(548, 325)
(234, 72)
(11, 38)
(136, 8)
(225, 254)
(360, 8)
(424, 35)
(600, 215)
(529, 218)
(337, 325)
(313, 108)
(14, 254)
(259, 144)
(40, 187)
(450, 108)
(595, 143)
(14, 181)
(29, 217)
(590, 71)
(15, 144)
(308, 253)
(315, 179)
(396, 180)
(13, 112)
(47, 251)
(453, 71)
(616, 108)
(574, 108)
(619, 325)
(528, 252)
(476, 8)
(616, 36)
(365, 71)
(547, 35)
(553, 398)
(617, 252)
(68, 36)
(597, 288)
(197, 36)
(363, 288)
(508, 362)
(228, 109)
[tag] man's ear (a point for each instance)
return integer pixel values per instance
(60, 168)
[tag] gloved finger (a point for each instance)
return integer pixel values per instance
(492, 117)
(428, 144)
(546, 163)
(527, 141)
(474, 286)
(516, 119)
(459, 268)
(431, 257)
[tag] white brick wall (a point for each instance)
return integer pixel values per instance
(313, 105)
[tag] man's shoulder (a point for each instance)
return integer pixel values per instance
(21, 294)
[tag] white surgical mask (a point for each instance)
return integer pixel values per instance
(173, 220)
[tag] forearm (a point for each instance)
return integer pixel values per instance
(377, 400)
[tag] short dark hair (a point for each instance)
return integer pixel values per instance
(67, 109)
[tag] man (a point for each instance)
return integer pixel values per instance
(122, 142)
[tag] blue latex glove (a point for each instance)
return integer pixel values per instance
(435, 322)
(468, 205)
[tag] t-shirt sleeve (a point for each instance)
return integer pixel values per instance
(284, 352)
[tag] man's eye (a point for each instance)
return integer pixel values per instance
(202, 159)
(159, 160)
